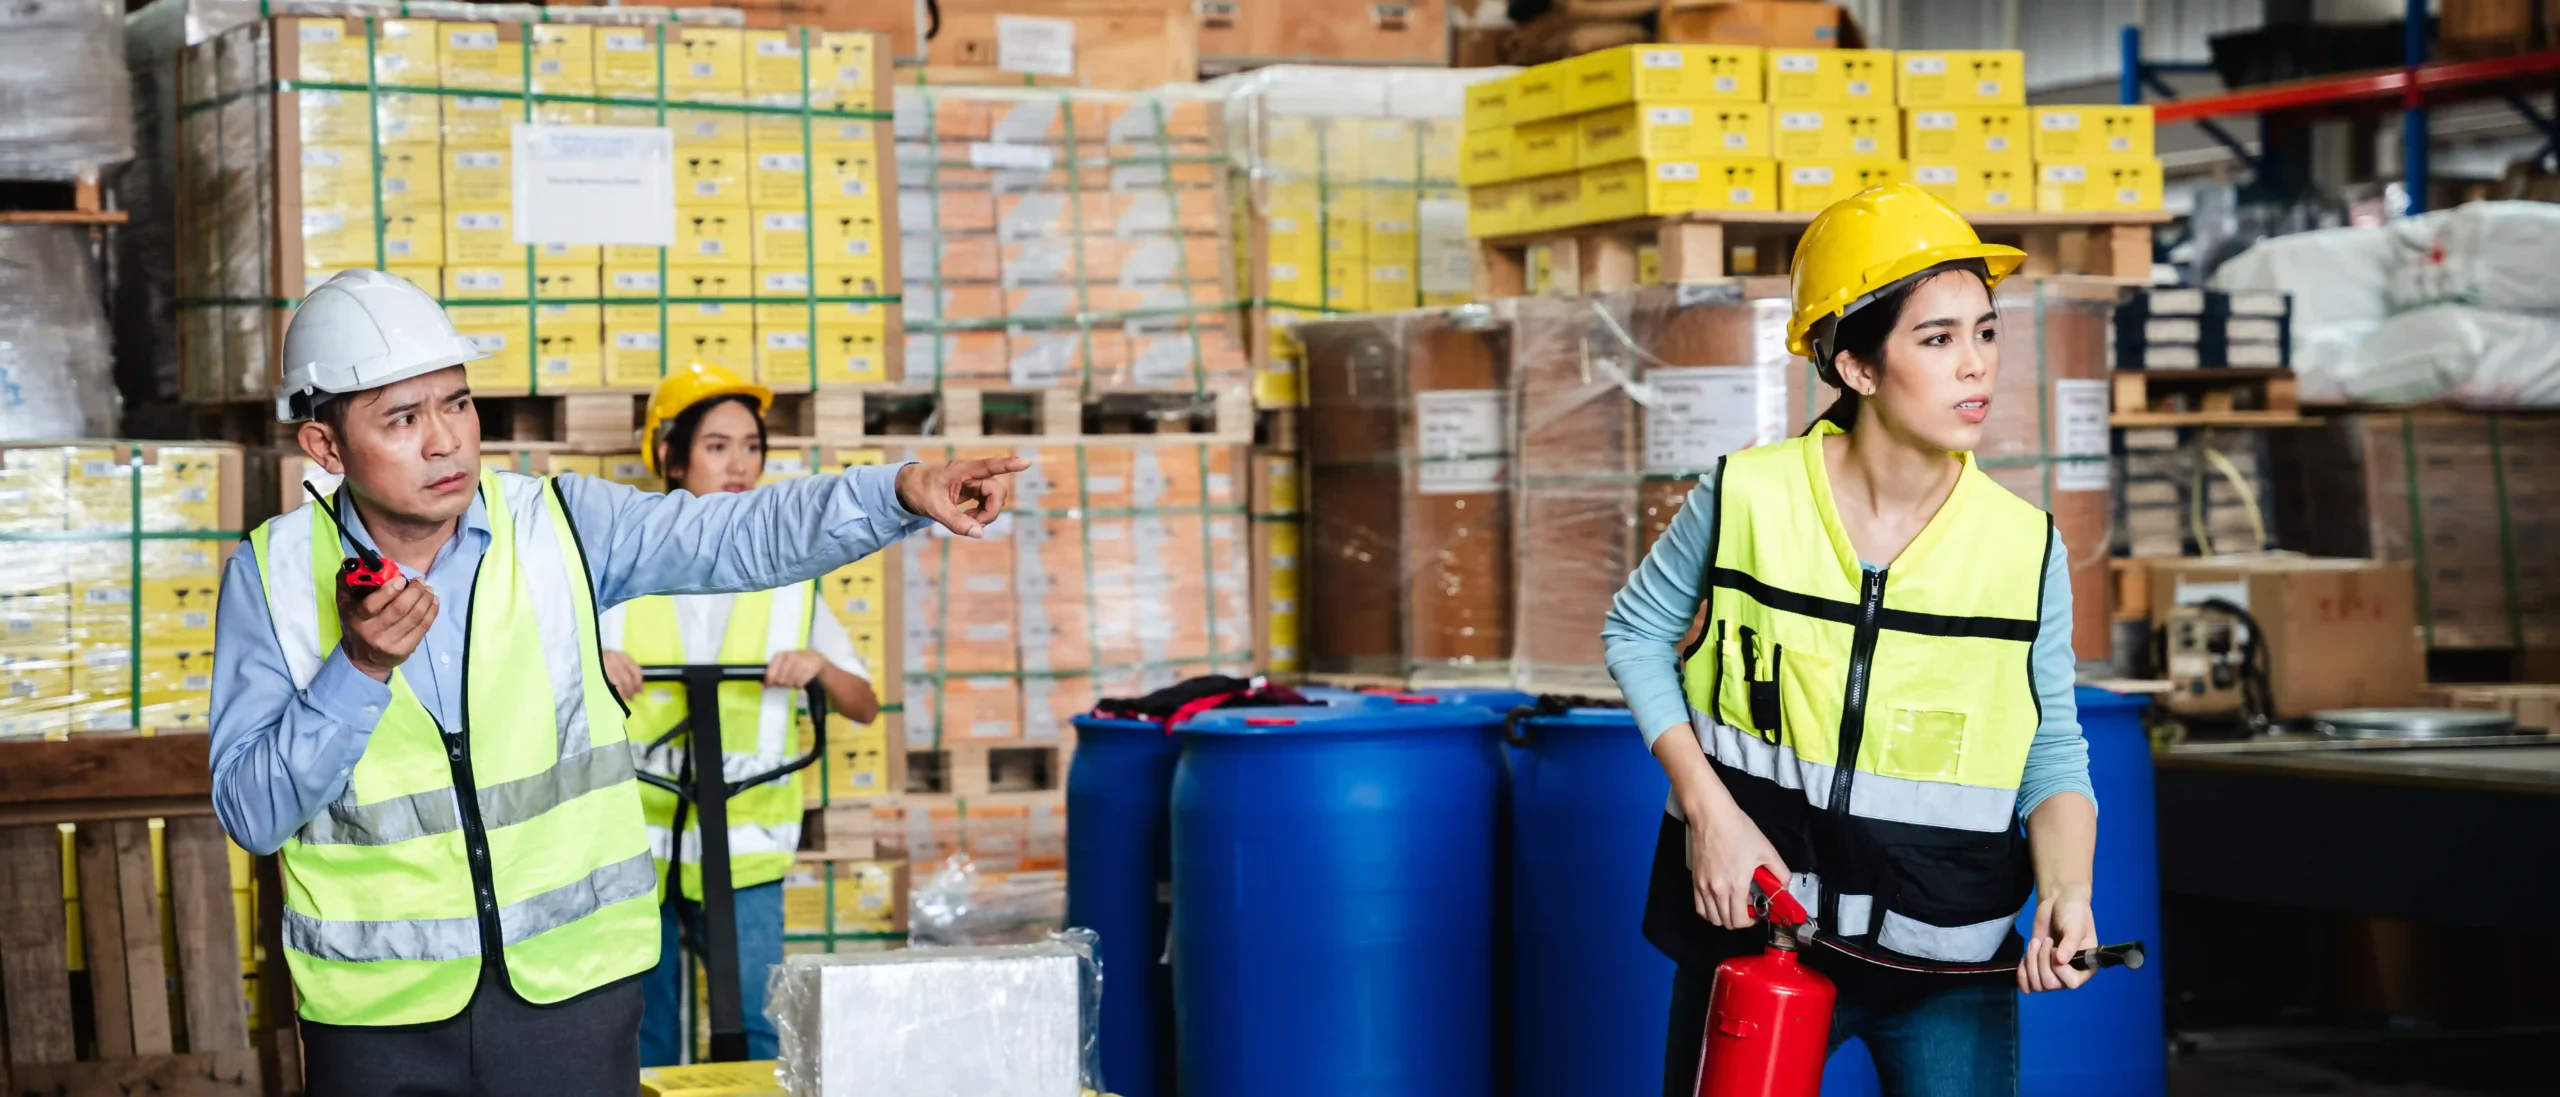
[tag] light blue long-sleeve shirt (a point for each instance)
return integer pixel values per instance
(282, 753)
(1650, 617)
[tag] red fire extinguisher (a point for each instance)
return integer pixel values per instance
(1769, 1016)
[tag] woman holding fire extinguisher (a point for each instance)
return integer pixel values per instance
(1882, 690)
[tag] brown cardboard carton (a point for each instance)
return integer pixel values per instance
(2338, 633)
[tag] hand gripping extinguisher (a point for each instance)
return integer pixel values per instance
(1769, 1016)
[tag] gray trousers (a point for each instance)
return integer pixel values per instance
(499, 1046)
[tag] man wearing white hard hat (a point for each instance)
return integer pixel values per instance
(468, 890)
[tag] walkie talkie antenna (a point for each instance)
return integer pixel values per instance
(366, 569)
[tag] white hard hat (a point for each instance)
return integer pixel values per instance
(363, 329)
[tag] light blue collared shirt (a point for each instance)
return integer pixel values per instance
(281, 753)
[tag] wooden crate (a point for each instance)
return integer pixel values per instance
(959, 768)
(109, 790)
(1706, 246)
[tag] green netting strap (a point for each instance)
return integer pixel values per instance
(373, 154)
(2506, 534)
(372, 87)
(2417, 523)
(1075, 204)
(1181, 260)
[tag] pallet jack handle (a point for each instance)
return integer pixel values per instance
(706, 789)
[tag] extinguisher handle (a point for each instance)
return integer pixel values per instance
(1783, 907)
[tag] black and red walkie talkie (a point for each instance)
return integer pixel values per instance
(364, 572)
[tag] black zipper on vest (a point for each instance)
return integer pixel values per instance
(475, 835)
(1853, 706)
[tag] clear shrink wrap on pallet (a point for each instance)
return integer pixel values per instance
(1408, 451)
(57, 377)
(65, 103)
(1009, 1021)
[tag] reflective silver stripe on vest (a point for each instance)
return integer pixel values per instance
(545, 574)
(744, 838)
(459, 938)
(1871, 795)
(288, 578)
(1856, 915)
(1948, 944)
(433, 812)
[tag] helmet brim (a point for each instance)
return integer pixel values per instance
(1998, 261)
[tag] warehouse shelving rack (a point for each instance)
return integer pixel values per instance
(2415, 86)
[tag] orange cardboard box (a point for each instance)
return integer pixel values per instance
(1036, 215)
(972, 302)
(972, 355)
(1050, 706)
(965, 210)
(980, 708)
(1108, 477)
(1168, 477)
(1057, 635)
(1047, 303)
(1044, 840)
(965, 258)
(994, 835)
(1130, 212)
(962, 119)
(1046, 260)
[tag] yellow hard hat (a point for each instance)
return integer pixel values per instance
(683, 388)
(1874, 238)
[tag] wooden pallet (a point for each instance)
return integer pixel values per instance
(2206, 397)
(980, 768)
(78, 202)
(1705, 246)
(108, 789)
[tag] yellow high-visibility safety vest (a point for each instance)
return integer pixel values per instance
(522, 826)
(1875, 724)
(759, 730)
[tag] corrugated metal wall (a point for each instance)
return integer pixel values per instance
(2067, 41)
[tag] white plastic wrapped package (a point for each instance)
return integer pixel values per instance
(57, 377)
(65, 103)
(2473, 357)
(2495, 255)
(1010, 1021)
(2334, 275)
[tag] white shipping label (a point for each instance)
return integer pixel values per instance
(2058, 119)
(1933, 175)
(1800, 120)
(1465, 439)
(1798, 62)
(1727, 85)
(1039, 46)
(482, 159)
(1807, 175)
(1003, 157)
(781, 161)
(1925, 66)
(626, 42)
(1701, 413)
(319, 158)
(481, 222)
(2119, 143)
(1448, 257)
(777, 47)
(1668, 116)
(1860, 89)
(473, 39)
(612, 185)
(2066, 173)
(2080, 434)
(1863, 146)
(479, 279)
(786, 222)
(1995, 143)
(1660, 59)
(1676, 172)
(1988, 89)
(646, 281)
(1933, 120)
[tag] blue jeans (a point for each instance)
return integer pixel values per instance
(663, 1039)
(1957, 1042)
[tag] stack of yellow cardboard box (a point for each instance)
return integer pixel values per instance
(1648, 130)
(74, 520)
(775, 211)
(1626, 132)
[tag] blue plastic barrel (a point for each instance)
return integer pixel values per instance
(2105, 1039)
(1119, 863)
(1334, 902)
(1333, 695)
(1499, 701)
(1588, 992)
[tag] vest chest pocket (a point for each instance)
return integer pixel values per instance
(1926, 744)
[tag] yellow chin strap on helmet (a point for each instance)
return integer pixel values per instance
(683, 388)
(1861, 245)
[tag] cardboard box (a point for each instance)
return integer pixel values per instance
(1961, 78)
(2072, 133)
(1640, 188)
(1795, 24)
(1846, 77)
(2097, 185)
(1484, 155)
(1489, 103)
(1979, 184)
(1973, 131)
(1544, 148)
(1538, 92)
(1813, 184)
(2338, 633)
(1551, 202)
(1672, 131)
(1129, 44)
(1496, 209)
(1326, 30)
(1810, 132)
(1648, 74)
